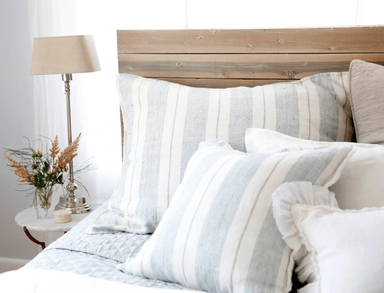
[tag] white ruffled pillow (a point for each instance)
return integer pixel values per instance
(336, 250)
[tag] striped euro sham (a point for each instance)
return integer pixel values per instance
(219, 233)
(165, 122)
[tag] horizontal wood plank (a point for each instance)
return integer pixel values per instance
(228, 58)
(250, 41)
(238, 66)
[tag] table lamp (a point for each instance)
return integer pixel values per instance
(66, 55)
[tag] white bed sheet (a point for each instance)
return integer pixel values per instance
(48, 281)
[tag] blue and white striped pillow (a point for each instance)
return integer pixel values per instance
(219, 233)
(165, 122)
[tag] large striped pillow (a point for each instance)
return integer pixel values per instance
(219, 233)
(165, 122)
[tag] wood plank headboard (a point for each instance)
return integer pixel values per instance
(224, 58)
(227, 58)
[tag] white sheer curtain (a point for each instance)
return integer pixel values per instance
(94, 104)
(94, 100)
(95, 109)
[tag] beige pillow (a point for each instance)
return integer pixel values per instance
(367, 101)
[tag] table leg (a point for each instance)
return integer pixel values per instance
(42, 244)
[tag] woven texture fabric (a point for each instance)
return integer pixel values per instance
(219, 234)
(96, 256)
(367, 101)
(165, 122)
(117, 247)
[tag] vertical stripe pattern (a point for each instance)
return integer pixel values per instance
(165, 122)
(219, 234)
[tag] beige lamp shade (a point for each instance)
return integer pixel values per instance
(64, 55)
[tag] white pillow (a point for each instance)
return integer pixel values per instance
(219, 233)
(361, 183)
(337, 250)
(165, 122)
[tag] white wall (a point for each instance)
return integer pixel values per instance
(16, 121)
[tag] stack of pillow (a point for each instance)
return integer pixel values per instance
(215, 225)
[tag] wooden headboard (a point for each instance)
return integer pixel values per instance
(225, 58)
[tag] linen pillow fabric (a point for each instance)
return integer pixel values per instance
(367, 101)
(361, 182)
(165, 122)
(219, 233)
(338, 250)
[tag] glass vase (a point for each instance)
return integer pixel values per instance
(44, 198)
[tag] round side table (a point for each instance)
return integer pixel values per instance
(28, 221)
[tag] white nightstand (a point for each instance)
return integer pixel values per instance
(28, 221)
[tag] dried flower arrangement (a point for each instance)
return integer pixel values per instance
(44, 171)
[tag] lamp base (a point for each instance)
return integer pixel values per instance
(77, 205)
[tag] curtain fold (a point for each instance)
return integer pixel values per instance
(94, 100)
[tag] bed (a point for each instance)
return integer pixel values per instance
(193, 102)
